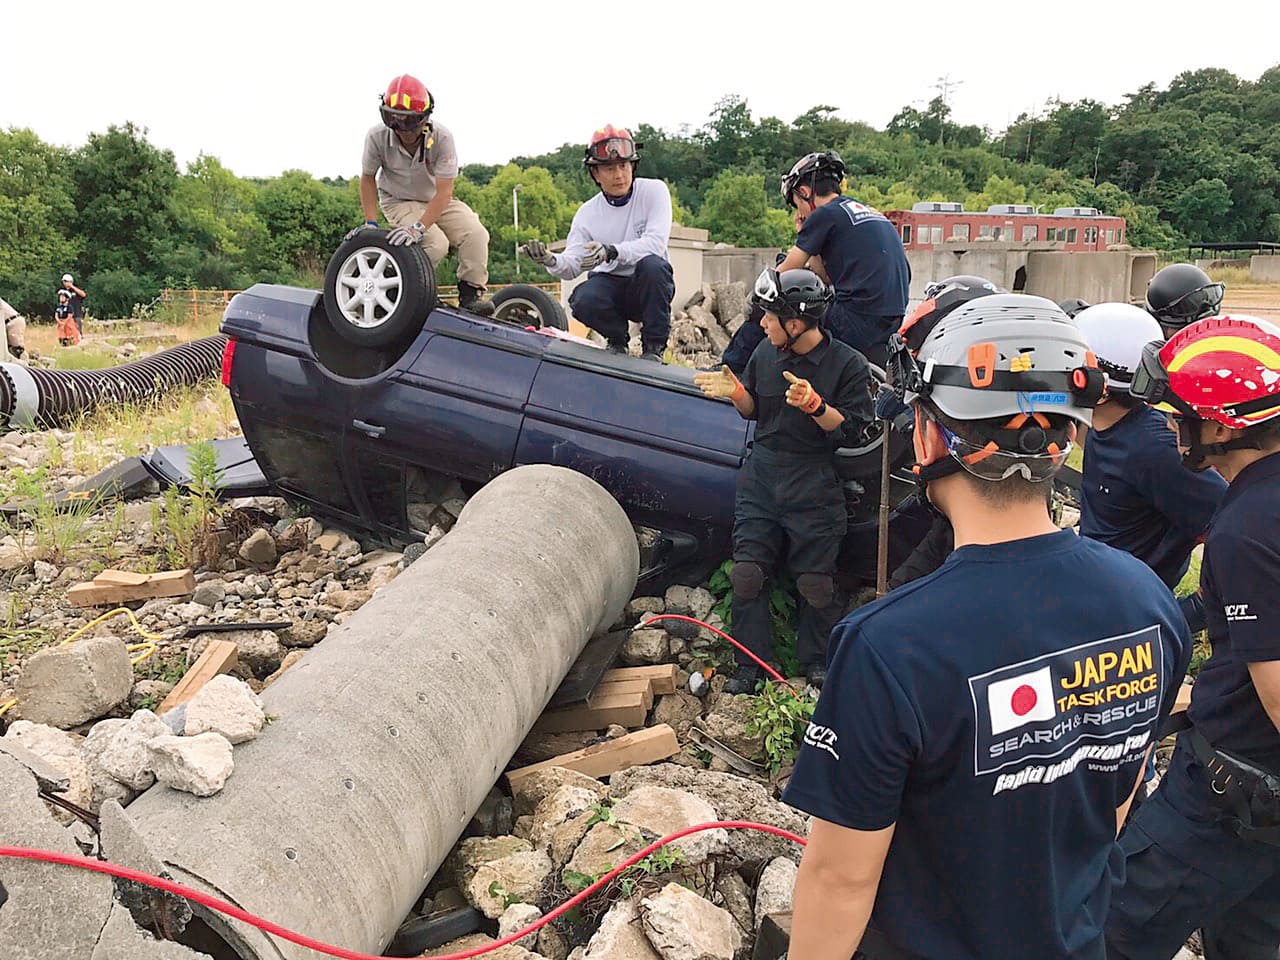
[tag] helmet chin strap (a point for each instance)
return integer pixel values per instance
(1197, 455)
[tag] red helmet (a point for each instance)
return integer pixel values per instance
(610, 144)
(1225, 369)
(407, 104)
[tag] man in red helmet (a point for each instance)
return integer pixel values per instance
(620, 235)
(409, 167)
(1204, 850)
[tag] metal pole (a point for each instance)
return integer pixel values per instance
(882, 547)
(515, 216)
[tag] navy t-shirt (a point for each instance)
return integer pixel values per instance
(862, 254)
(997, 711)
(1240, 578)
(1138, 497)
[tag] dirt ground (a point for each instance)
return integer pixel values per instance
(1258, 300)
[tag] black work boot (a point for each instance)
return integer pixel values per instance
(619, 348)
(744, 680)
(652, 353)
(470, 297)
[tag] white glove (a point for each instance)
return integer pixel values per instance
(403, 236)
(537, 251)
(598, 253)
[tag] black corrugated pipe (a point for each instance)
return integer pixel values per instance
(35, 398)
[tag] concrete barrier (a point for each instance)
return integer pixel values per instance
(1264, 269)
(387, 736)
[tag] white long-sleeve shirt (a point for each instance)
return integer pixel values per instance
(640, 227)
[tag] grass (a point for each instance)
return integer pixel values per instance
(1231, 276)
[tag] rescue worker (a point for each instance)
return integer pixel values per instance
(65, 322)
(620, 235)
(1182, 293)
(409, 167)
(940, 298)
(1135, 494)
(861, 254)
(1204, 850)
(982, 729)
(808, 394)
(75, 298)
(15, 329)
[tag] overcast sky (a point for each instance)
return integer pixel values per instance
(268, 86)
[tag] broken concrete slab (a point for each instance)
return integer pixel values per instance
(620, 936)
(47, 904)
(775, 890)
(72, 683)
(60, 750)
(49, 777)
(122, 939)
(682, 926)
(661, 811)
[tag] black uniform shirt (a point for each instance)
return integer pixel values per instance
(1241, 583)
(839, 374)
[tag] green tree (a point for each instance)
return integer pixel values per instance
(304, 220)
(1200, 206)
(36, 214)
(736, 211)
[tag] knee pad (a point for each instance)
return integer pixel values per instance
(818, 589)
(747, 579)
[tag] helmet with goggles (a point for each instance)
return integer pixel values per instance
(611, 144)
(407, 104)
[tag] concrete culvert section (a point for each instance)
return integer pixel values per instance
(387, 737)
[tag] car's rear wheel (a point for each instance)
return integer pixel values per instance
(528, 306)
(375, 293)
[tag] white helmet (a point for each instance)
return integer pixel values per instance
(67, 278)
(1116, 333)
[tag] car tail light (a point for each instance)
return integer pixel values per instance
(228, 358)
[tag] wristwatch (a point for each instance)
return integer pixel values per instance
(822, 408)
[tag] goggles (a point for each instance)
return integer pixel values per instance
(615, 148)
(768, 288)
(1150, 383)
(403, 120)
(1191, 305)
(990, 462)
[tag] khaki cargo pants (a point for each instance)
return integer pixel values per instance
(457, 227)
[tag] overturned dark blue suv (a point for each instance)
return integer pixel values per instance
(355, 399)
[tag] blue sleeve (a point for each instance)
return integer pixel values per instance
(858, 750)
(1188, 500)
(1245, 571)
(814, 232)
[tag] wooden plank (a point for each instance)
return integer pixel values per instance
(170, 583)
(624, 709)
(633, 686)
(1183, 700)
(662, 675)
(121, 577)
(602, 759)
(218, 657)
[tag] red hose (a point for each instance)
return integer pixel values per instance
(231, 910)
(720, 633)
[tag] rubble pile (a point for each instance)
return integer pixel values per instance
(701, 329)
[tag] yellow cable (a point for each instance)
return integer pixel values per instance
(6, 705)
(106, 616)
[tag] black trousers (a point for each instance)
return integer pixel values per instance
(792, 507)
(606, 303)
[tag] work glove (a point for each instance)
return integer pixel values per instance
(367, 225)
(720, 383)
(598, 253)
(801, 394)
(890, 407)
(537, 251)
(403, 236)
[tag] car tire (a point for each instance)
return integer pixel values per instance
(529, 306)
(863, 462)
(377, 294)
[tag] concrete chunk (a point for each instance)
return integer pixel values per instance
(225, 705)
(126, 758)
(69, 684)
(197, 765)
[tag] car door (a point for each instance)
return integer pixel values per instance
(454, 407)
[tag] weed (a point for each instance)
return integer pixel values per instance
(780, 718)
(782, 607)
(186, 525)
(46, 530)
(496, 889)
(602, 812)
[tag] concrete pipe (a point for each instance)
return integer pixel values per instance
(388, 735)
(34, 398)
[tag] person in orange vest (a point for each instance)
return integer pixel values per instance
(65, 318)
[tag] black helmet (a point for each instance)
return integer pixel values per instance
(941, 297)
(1073, 305)
(808, 169)
(1181, 294)
(932, 289)
(792, 295)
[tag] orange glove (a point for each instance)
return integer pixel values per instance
(801, 394)
(720, 383)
